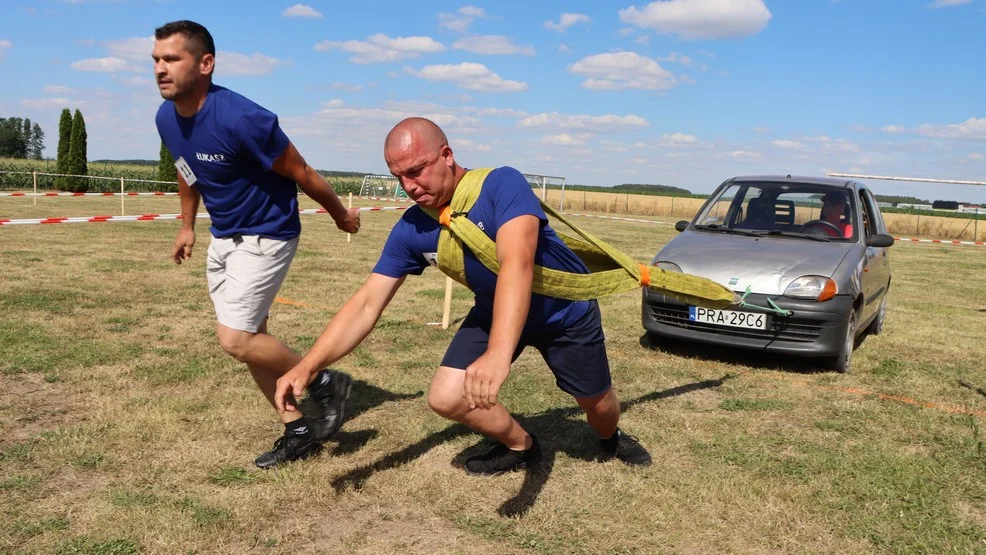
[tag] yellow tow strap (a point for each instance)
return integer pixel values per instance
(611, 271)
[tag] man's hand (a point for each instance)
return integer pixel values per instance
(484, 379)
(290, 386)
(349, 222)
(182, 249)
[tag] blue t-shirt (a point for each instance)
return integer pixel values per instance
(506, 194)
(230, 146)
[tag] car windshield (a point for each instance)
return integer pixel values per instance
(783, 209)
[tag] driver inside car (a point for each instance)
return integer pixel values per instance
(833, 212)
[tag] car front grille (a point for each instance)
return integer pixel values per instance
(784, 328)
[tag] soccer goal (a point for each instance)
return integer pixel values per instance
(381, 186)
(542, 183)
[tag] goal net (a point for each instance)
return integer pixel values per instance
(381, 186)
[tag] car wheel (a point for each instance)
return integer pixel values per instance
(843, 361)
(876, 327)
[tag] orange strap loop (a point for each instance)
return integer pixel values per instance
(445, 216)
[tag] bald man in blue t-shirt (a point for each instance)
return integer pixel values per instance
(506, 318)
(232, 154)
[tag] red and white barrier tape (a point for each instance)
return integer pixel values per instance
(386, 199)
(152, 217)
(617, 218)
(152, 194)
(942, 241)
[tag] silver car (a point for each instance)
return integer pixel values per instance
(814, 248)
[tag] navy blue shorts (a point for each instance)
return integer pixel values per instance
(576, 355)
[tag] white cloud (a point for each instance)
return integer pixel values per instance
(976, 156)
(381, 48)
(789, 145)
(58, 89)
(469, 76)
(761, 129)
(492, 44)
(501, 112)
(622, 70)
(563, 48)
(461, 19)
(678, 58)
(348, 87)
(745, 155)
(642, 39)
(4, 45)
(566, 20)
(562, 139)
(135, 81)
(686, 79)
(466, 144)
(235, 63)
(134, 49)
(678, 139)
(972, 128)
(106, 65)
(45, 103)
(334, 103)
(593, 124)
(700, 19)
(301, 10)
(947, 3)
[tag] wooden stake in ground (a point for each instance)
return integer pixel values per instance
(448, 303)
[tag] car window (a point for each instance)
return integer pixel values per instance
(780, 208)
(876, 224)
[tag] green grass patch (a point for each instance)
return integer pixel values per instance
(755, 405)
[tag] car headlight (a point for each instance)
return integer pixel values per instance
(669, 267)
(819, 288)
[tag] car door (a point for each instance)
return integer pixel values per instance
(876, 267)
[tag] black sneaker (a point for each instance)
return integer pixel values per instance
(625, 447)
(289, 447)
(325, 408)
(502, 459)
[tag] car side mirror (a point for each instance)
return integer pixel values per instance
(681, 225)
(879, 240)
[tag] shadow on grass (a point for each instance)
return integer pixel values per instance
(975, 388)
(744, 357)
(363, 397)
(559, 430)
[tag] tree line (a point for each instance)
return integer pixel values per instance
(20, 138)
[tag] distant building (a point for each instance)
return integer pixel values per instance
(914, 206)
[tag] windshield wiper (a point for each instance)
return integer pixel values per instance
(799, 235)
(720, 229)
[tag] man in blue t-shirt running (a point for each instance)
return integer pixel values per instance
(506, 318)
(232, 154)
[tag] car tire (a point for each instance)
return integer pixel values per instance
(876, 326)
(843, 361)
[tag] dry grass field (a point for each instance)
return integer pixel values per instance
(125, 429)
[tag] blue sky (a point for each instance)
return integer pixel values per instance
(679, 92)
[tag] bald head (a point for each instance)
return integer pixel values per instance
(415, 133)
(418, 154)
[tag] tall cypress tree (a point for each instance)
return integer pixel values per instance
(77, 161)
(166, 170)
(64, 137)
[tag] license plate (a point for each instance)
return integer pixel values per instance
(749, 320)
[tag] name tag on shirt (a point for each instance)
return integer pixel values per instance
(185, 171)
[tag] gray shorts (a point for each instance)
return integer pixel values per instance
(244, 274)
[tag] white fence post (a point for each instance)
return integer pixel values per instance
(349, 236)
(123, 210)
(35, 173)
